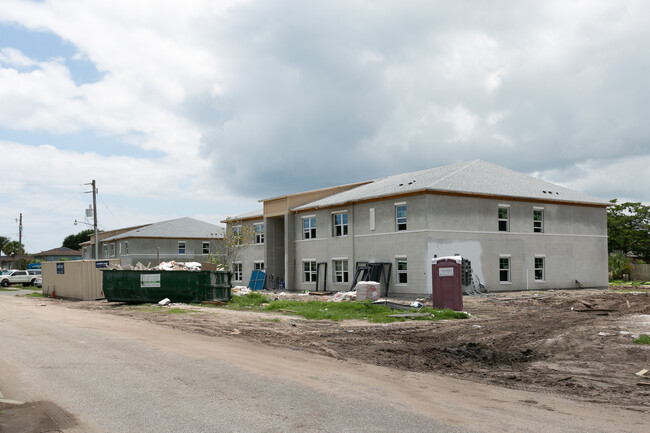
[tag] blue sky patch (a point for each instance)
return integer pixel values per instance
(44, 46)
(81, 142)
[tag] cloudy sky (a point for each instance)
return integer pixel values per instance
(200, 108)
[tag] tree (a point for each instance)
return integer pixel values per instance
(13, 248)
(3, 241)
(74, 241)
(628, 228)
(619, 264)
(236, 239)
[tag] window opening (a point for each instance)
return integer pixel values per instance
(400, 217)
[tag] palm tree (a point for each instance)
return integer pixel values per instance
(3, 242)
(13, 248)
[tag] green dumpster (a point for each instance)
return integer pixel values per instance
(178, 286)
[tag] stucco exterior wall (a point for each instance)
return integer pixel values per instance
(248, 256)
(573, 242)
(145, 250)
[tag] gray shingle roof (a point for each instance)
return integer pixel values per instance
(181, 228)
(259, 213)
(473, 177)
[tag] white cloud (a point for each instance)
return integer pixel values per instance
(252, 99)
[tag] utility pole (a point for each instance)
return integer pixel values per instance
(20, 237)
(94, 191)
(95, 220)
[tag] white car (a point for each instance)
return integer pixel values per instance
(17, 277)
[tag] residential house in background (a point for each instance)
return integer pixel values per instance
(517, 232)
(58, 254)
(183, 239)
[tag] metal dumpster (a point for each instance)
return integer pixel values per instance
(178, 286)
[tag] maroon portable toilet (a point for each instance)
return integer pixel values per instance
(447, 288)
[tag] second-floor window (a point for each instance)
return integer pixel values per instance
(400, 217)
(340, 224)
(538, 220)
(259, 233)
(504, 219)
(309, 227)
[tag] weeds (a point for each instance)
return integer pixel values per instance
(643, 339)
(337, 311)
(157, 309)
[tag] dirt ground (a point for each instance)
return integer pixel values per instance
(574, 343)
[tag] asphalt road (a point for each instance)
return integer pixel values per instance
(113, 374)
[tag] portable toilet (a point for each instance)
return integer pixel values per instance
(446, 284)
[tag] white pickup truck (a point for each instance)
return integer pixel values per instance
(26, 278)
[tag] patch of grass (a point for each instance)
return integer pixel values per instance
(2, 289)
(250, 300)
(643, 339)
(337, 311)
(36, 295)
(635, 283)
(158, 309)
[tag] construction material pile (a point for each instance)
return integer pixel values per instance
(163, 266)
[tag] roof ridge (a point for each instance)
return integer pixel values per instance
(455, 171)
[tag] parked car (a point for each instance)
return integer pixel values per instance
(17, 277)
(38, 282)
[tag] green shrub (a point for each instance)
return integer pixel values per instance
(643, 339)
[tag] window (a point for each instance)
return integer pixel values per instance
(105, 251)
(309, 271)
(181, 247)
(236, 235)
(237, 273)
(371, 218)
(206, 248)
(504, 269)
(340, 224)
(112, 250)
(538, 220)
(126, 247)
(258, 266)
(539, 268)
(119, 247)
(504, 218)
(85, 254)
(400, 217)
(259, 233)
(402, 277)
(340, 271)
(309, 227)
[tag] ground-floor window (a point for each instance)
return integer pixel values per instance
(309, 271)
(402, 276)
(504, 269)
(340, 271)
(206, 248)
(237, 273)
(539, 268)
